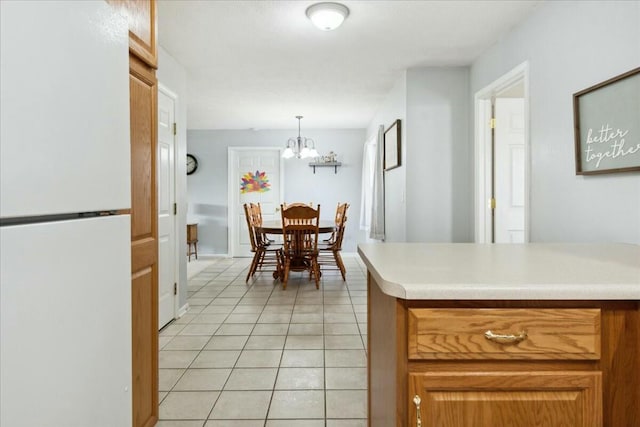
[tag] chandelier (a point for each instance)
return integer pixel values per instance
(300, 147)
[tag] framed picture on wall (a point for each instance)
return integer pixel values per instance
(607, 126)
(392, 146)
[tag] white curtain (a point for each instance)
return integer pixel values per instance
(377, 203)
(368, 169)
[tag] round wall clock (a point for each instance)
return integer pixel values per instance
(192, 164)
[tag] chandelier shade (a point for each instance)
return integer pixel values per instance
(300, 147)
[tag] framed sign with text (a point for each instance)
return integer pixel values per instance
(607, 125)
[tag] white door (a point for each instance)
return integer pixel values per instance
(166, 213)
(255, 176)
(512, 175)
(509, 170)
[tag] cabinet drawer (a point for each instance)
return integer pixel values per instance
(524, 334)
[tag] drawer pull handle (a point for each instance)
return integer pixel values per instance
(506, 339)
(416, 401)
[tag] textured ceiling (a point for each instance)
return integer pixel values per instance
(258, 64)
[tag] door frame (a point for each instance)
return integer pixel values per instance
(232, 187)
(176, 241)
(483, 151)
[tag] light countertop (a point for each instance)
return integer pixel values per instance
(543, 271)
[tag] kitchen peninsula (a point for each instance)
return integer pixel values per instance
(471, 335)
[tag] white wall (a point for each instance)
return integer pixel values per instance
(429, 198)
(174, 77)
(439, 200)
(207, 187)
(393, 108)
(571, 46)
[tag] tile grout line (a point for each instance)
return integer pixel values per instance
(324, 356)
(275, 381)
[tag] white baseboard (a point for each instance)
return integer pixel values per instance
(183, 310)
(212, 256)
(349, 254)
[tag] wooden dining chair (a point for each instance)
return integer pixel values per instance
(256, 209)
(300, 241)
(341, 211)
(329, 252)
(265, 255)
(286, 205)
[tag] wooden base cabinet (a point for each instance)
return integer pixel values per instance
(502, 363)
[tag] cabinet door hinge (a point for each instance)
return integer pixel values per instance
(175, 289)
(175, 129)
(175, 209)
(492, 203)
(492, 123)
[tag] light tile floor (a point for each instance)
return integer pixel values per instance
(252, 354)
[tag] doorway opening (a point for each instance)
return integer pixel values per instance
(502, 159)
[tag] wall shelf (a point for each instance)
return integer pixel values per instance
(322, 165)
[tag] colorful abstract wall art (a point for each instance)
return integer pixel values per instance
(257, 182)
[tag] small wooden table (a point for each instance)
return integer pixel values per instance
(192, 240)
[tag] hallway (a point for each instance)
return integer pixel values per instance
(254, 355)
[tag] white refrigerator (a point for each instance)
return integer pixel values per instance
(65, 258)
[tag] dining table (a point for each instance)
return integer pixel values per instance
(275, 227)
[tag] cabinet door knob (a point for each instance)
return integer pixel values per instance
(506, 339)
(416, 401)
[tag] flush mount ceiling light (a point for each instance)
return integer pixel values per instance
(300, 147)
(327, 16)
